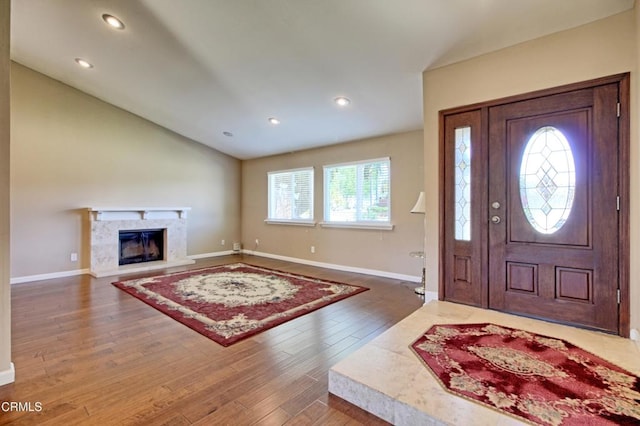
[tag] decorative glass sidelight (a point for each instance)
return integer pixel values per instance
(547, 180)
(463, 184)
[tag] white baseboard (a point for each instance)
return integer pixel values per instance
(429, 296)
(8, 376)
(344, 268)
(213, 254)
(29, 278)
(72, 273)
(366, 271)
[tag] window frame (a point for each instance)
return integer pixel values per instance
(356, 224)
(270, 201)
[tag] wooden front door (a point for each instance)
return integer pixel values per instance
(543, 199)
(553, 188)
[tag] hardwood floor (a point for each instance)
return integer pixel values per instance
(88, 353)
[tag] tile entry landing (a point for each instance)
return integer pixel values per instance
(387, 379)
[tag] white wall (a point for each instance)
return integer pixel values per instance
(598, 49)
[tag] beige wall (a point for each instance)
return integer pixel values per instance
(6, 369)
(70, 151)
(598, 49)
(386, 251)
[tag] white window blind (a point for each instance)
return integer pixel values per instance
(358, 192)
(290, 195)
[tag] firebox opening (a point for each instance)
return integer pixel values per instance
(137, 246)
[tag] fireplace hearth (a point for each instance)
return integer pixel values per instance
(138, 246)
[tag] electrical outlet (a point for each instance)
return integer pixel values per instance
(74, 257)
(313, 249)
(221, 242)
(257, 242)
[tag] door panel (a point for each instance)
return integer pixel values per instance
(466, 198)
(574, 125)
(546, 236)
(567, 274)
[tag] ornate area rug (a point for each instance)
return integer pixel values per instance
(538, 379)
(231, 302)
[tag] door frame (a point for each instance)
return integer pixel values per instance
(624, 246)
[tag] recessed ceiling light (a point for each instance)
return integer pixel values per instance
(113, 21)
(228, 134)
(274, 121)
(342, 101)
(84, 63)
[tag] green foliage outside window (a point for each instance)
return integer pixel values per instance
(358, 192)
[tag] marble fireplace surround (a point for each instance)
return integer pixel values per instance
(106, 224)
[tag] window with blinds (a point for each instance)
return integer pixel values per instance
(290, 195)
(358, 192)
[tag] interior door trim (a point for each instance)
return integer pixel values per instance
(623, 80)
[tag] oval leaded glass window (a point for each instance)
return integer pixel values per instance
(547, 180)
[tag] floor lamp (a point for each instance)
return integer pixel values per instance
(419, 208)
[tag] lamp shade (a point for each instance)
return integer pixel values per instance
(419, 207)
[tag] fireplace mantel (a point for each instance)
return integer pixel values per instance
(133, 213)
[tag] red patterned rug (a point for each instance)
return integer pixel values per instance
(538, 379)
(231, 302)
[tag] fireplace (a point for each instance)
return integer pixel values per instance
(138, 246)
(143, 254)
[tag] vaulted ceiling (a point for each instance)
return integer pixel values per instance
(216, 70)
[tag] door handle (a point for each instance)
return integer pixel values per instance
(496, 219)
